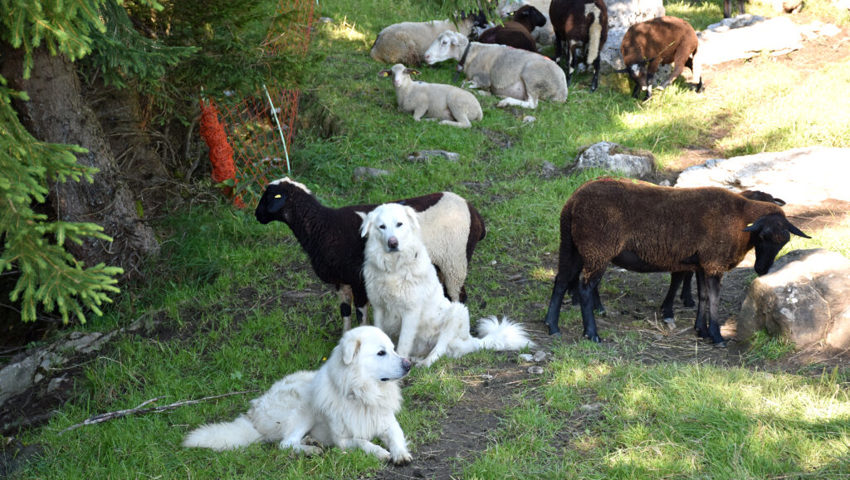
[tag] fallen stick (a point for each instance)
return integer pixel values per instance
(140, 410)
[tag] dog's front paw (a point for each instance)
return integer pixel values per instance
(402, 458)
(381, 453)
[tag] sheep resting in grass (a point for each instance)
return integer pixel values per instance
(447, 103)
(660, 41)
(647, 228)
(451, 227)
(579, 23)
(520, 77)
(516, 31)
(406, 42)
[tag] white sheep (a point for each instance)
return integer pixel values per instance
(452, 105)
(519, 76)
(406, 42)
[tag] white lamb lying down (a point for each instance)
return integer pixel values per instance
(452, 105)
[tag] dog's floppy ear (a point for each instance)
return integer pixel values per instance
(412, 216)
(364, 227)
(349, 350)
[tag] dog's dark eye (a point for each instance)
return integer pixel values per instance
(398, 224)
(382, 353)
(383, 227)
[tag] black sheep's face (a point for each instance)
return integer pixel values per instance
(271, 204)
(769, 234)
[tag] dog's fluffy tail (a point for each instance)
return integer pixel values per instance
(502, 335)
(223, 436)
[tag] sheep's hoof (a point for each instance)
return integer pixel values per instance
(670, 322)
(593, 338)
(720, 344)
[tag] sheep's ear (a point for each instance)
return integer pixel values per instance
(384, 73)
(364, 227)
(350, 347)
(411, 71)
(796, 231)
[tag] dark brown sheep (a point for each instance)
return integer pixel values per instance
(684, 278)
(451, 228)
(660, 41)
(647, 228)
(516, 32)
(579, 24)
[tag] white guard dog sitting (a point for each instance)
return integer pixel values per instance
(350, 400)
(407, 298)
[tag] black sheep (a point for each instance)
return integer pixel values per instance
(331, 237)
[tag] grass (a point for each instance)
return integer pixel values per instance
(235, 305)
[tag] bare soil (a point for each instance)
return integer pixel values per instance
(468, 427)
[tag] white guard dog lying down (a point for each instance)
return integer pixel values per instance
(350, 400)
(407, 298)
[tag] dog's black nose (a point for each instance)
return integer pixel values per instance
(405, 364)
(392, 243)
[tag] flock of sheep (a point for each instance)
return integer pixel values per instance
(698, 231)
(504, 59)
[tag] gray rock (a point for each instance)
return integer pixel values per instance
(805, 298)
(802, 176)
(548, 170)
(362, 173)
(526, 357)
(535, 370)
(613, 157)
(427, 155)
(540, 355)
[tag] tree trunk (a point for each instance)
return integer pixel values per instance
(56, 113)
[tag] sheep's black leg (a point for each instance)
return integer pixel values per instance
(595, 82)
(558, 291)
(701, 325)
(345, 312)
(727, 8)
(597, 301)
(586, 292)
(559, 48)
(636, 90)
(568, 51)
(741, 6)
(687, 297)
(712, 283)
(667, 304)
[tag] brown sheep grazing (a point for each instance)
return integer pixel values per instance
(579, 23)
(647, 228)
(516, 32)
(660, 41)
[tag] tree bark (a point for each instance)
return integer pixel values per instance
(56, 113)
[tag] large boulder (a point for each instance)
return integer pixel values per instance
(802, 176)
(805, 298)
(746, 36)
(616, 158)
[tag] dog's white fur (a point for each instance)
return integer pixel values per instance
(407, 298)
(350, 400)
